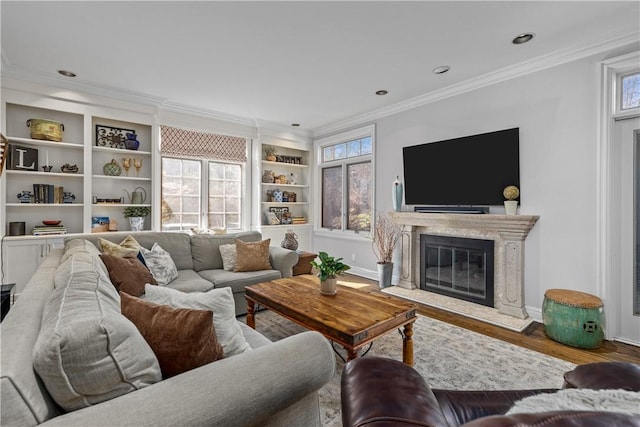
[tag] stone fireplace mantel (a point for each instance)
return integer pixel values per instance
(507, 231)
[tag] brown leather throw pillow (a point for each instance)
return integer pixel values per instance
(181, 338)
(127, 274)
(252, 256)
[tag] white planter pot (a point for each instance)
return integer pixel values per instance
(136, 223)
(328, 287)
(511, 207)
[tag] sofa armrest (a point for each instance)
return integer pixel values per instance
(242, 390)
(283, 260)
(376, 391)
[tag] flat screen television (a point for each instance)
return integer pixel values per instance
(468, 171)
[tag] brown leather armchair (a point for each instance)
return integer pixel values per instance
(380, 392)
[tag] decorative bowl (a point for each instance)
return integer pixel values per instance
(51, 221)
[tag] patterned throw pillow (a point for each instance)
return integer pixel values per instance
(127, 274)
(252, 256)
(129, 247)
(220, 301)
(228, 253)
(160, 264)
(182, 339)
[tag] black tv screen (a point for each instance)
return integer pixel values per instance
(467, 171)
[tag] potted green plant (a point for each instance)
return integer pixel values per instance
(136, 216)
(328, 269)
(386, 235)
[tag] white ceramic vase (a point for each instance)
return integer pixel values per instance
(511, 207)
(136, 223)
(329, 286)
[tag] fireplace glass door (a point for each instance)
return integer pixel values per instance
(457, 267)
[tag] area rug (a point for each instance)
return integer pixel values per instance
(447, 357)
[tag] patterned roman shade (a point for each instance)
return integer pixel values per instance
(187, 143)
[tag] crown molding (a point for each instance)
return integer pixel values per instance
(119, 94)
(521, 69)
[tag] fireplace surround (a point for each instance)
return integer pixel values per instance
(507, 231)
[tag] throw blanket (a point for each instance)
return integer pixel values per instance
(572, 399)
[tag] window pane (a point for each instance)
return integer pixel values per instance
(181, 193)
(225, 195)
(332, 197)
(340, 151)
(353, 148)
(216, 170)
(365, 145)
(631, 91)
(359, 192)
(328, 154)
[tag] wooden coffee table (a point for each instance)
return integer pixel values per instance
(352, 318)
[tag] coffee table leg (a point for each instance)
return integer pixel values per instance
(351, 354)
(407, 344)
(251, 320)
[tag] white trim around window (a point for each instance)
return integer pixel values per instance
(318, 145)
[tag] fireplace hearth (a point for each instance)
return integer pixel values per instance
(457, 267)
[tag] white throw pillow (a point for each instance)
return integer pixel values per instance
(228, 253)
(220, 301)
(160, 264)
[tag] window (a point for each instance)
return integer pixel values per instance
(183, 187)
(346, 176)
(202, 179)
(630, 91)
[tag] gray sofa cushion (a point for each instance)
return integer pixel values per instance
(87, 351)
(205, 248)
(190, 281)
(238, 280)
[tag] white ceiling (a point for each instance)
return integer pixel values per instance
(312, 63)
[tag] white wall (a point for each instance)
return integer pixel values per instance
(556, 111)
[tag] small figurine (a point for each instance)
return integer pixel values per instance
(67, 168)
(68, 197)
(25, 196)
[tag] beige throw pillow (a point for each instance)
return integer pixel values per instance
(252, 256)
(129, 247)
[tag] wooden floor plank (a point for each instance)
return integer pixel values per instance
(532, 338)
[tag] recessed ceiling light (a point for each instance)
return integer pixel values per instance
(441, 69)
(523, 38)
(66, 73)
(295, 125)
(382, 92)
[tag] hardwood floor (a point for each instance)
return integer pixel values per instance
(532, 338)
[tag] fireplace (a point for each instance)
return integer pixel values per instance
(508, 233)
(457, 267)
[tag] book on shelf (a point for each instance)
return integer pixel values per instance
(48, 193)
(45, 230)
(298, 220)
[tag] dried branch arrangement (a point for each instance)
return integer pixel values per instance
(386, 235)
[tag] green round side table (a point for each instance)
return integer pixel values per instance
(574, 318)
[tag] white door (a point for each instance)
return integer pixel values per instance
(626, 314)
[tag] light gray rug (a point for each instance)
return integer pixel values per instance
(447, 357)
